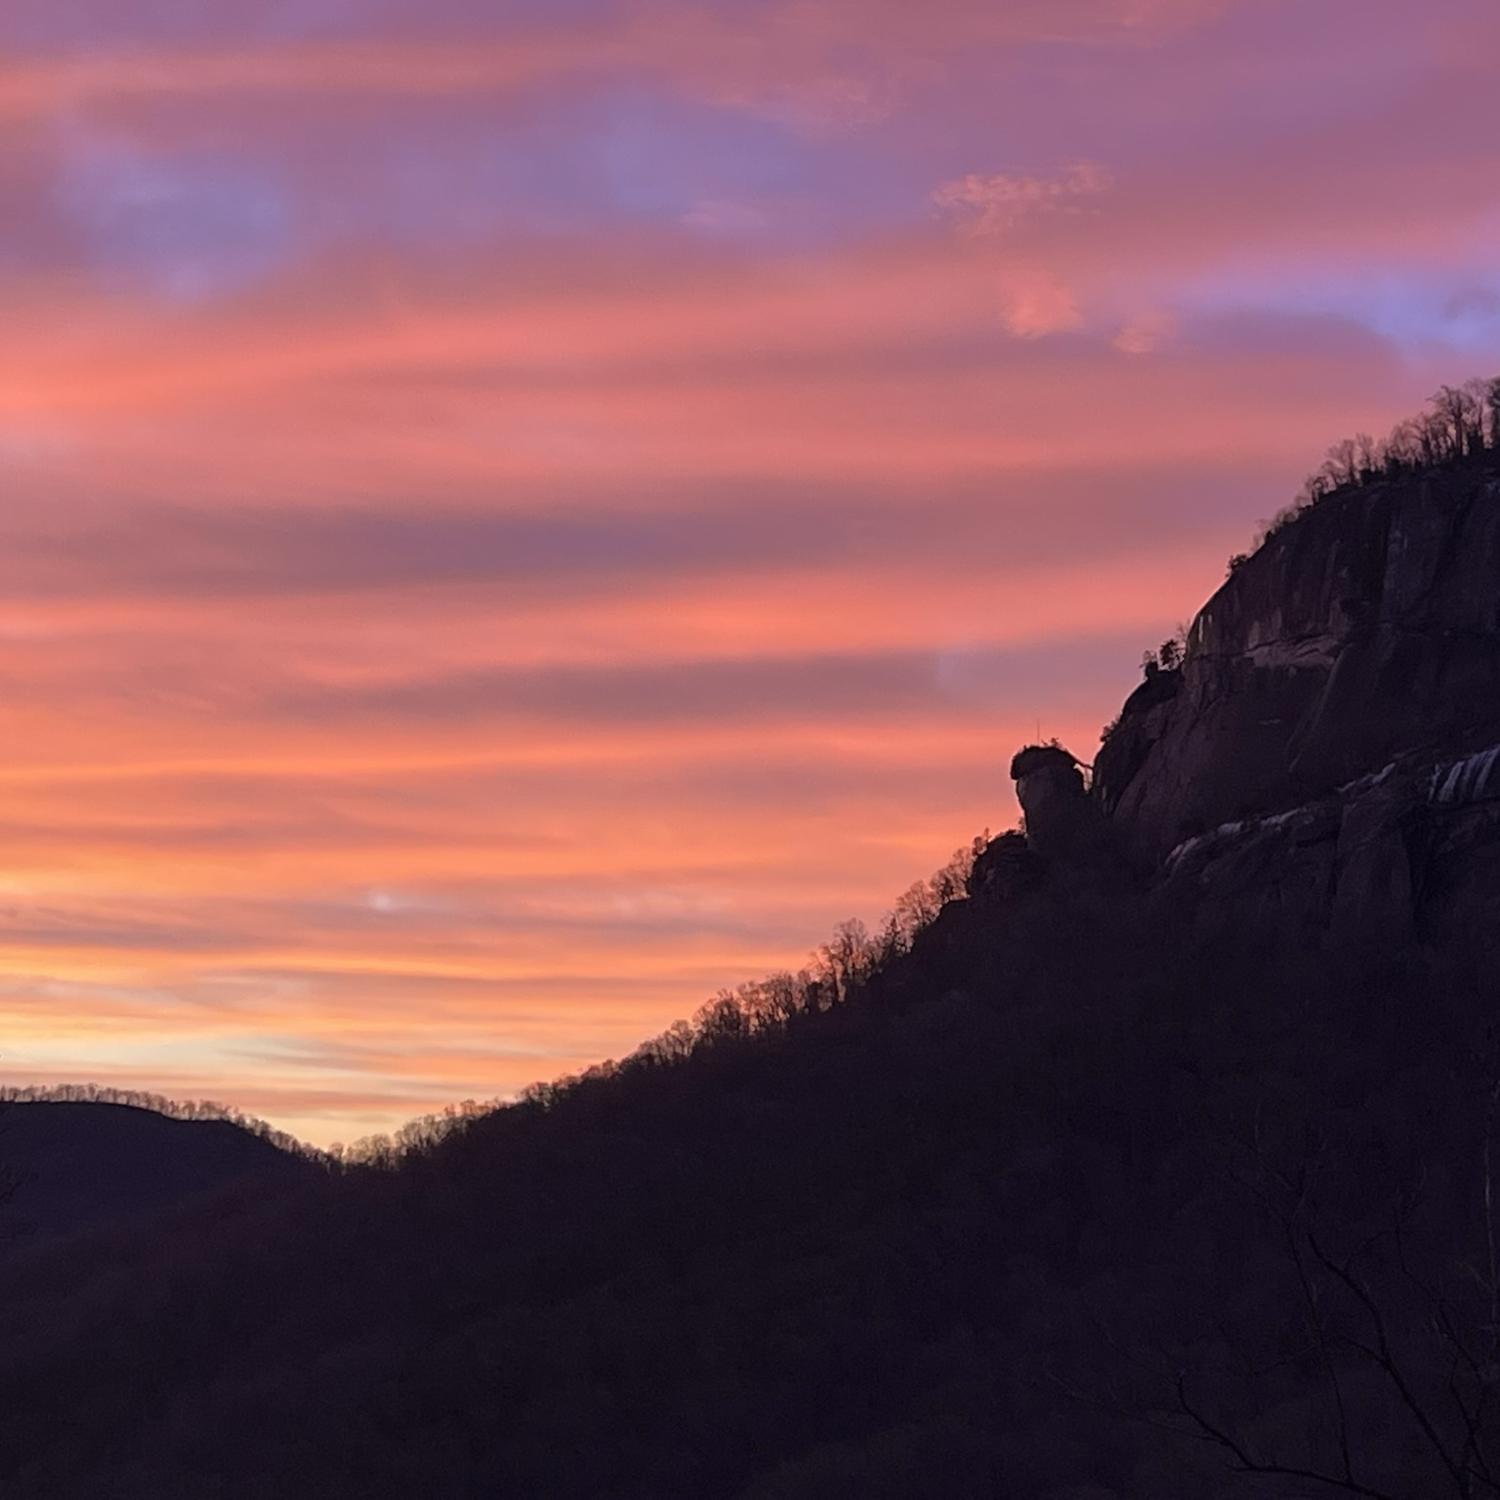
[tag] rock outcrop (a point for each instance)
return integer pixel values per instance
(1007, 868)
(1062, 823)
(1326, 759)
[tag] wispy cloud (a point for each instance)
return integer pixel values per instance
(994, 203)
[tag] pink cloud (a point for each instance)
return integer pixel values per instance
(784, 56)
(997, 202)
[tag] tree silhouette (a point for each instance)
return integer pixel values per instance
(1460, 423)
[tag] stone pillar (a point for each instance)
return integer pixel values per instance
(1061, 822)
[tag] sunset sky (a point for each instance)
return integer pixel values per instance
(518, 513)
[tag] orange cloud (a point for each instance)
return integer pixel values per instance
(997, 202)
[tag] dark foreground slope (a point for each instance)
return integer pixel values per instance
(960, 1236)
(78, 1165)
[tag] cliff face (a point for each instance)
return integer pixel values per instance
(1322, 751)
(1367, 630)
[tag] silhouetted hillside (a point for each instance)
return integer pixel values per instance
(1153, 1155)
(956, 1237)
(79, 1165)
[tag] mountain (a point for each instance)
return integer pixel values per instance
(78, 1165)
(1156, 1159)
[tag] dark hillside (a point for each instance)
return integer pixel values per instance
(957, 1237)
(79, 1165)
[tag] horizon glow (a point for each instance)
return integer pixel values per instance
(520, 516)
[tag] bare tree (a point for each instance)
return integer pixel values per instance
(844, 959)
(1460, 416)
(1429, 1335)
(1342, 464)
(1403, 448)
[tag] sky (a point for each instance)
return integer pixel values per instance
(519, 514)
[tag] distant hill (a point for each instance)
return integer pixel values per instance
(75, 1166)
(1154, 1155)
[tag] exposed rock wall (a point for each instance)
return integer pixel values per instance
(1325, 764)
(1366, 632)
(1344, 865)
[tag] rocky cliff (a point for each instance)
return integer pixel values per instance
(1327, 757)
